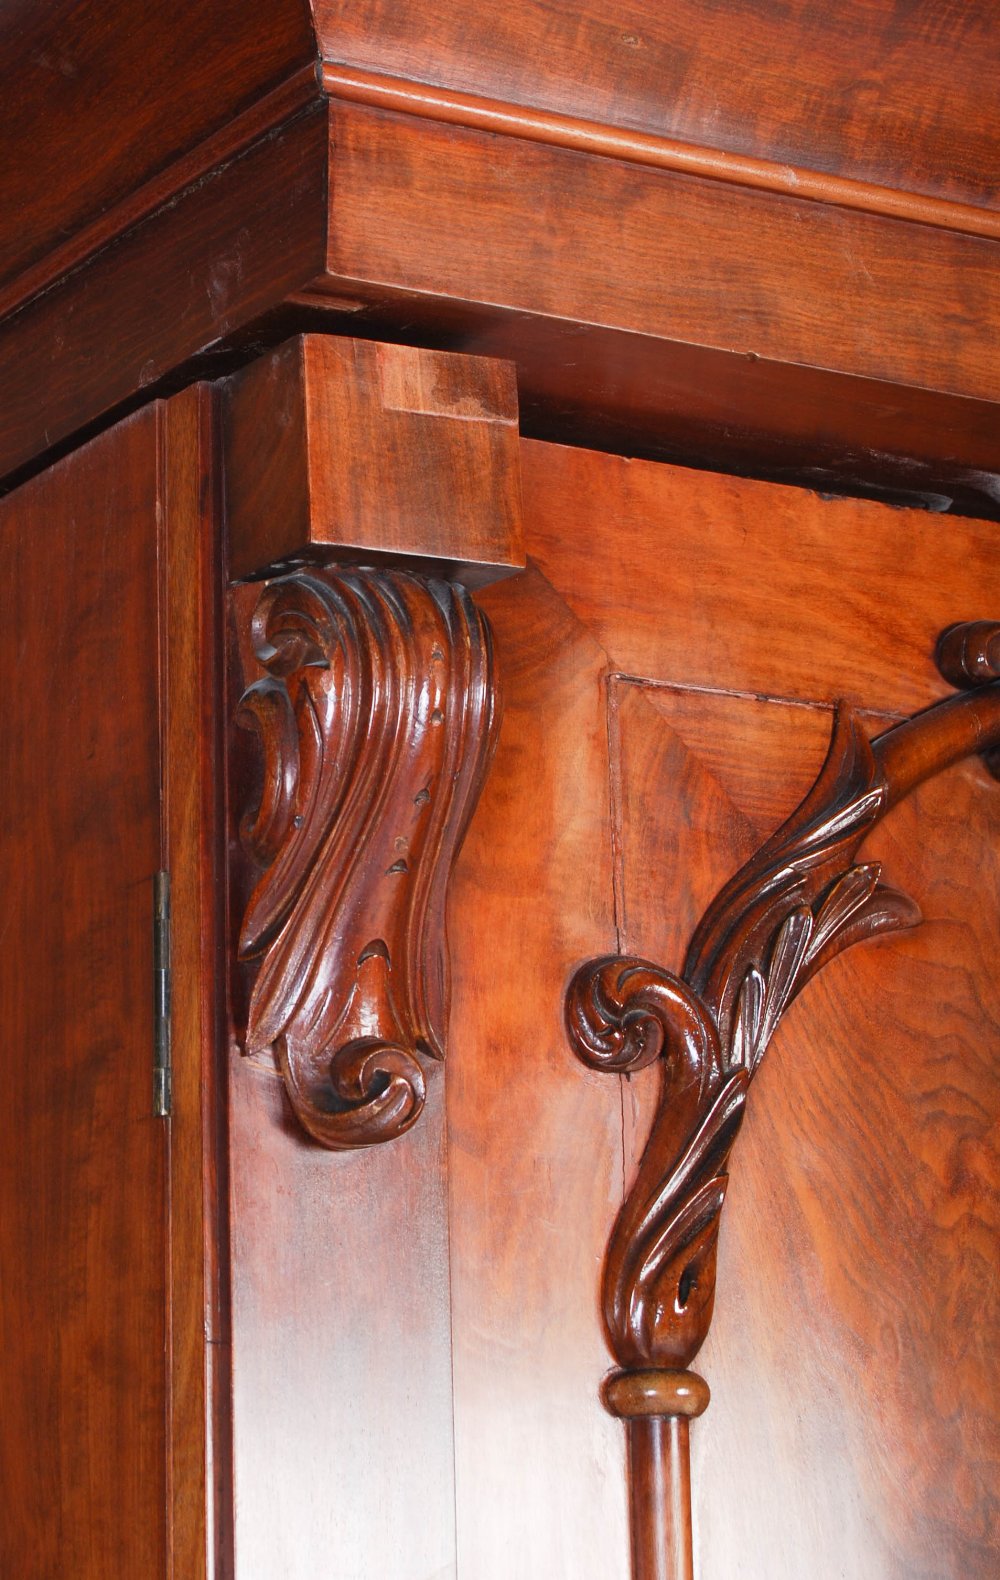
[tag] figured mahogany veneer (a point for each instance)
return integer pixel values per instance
(794, 906)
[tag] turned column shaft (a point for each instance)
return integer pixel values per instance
(660, 1498)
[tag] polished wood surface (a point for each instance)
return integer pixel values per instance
(213, 269)
(92, 81)
(835, 1363)
(657, 1407)
(741, 327)
(343, 449)
(659, 1461)
(865, 1188)
(688, 265)
(534, 1176)
(342, 1386)
(534, 125)
(755, 238)
(871, 91)
(661, 560)
(753, 316)
(374, 700)
(200, 1488)
(792, 908)
(83, 1160)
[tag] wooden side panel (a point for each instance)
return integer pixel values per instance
(82, 1158)
(535, 1151)
(852, 1428)
(200, 1490)
(852, 1355)
(341, 1346)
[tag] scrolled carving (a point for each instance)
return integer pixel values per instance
(377, 714)
(968, 654)
(799, 901)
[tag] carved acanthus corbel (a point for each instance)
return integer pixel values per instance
(795, 905)
(376, 708)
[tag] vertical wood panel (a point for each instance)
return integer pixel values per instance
(535, 1140)
(341, 1346)
(852, 1355)
(200, 1491)
(82, 1158)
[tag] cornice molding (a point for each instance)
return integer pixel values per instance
(355, 86)
(264, 117)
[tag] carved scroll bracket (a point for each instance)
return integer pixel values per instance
(796, 904)
(375, 703)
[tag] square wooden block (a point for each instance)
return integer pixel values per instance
(373, 454)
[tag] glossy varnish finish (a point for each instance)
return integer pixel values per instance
(775, 263)
(344, 450)
(689, 345)
(534, 1157)
(792, 908)
(848, 1405)
(373, 697)
(873, 91)
(199, 1500)
(374, 700)
(862, 1209)
(83, 1311)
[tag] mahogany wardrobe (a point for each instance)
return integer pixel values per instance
(499, 805)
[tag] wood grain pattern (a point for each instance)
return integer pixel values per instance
(838, 1354)
(357, 86)
(83, 1161)
(876, 91)
(794, 906)
(374, 699)
(200, 1492)
(213, 272)
(342, 1387)
(534, 1143)
(678, 574)
(75, 63)
(347, 449)
(693, 262)
(797, 903)
(741, 328)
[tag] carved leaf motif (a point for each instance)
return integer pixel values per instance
(377, 716)
(791, 908)
(801, 870)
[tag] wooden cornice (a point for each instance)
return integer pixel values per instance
(265, 117)
(655, 294)
(657, 152)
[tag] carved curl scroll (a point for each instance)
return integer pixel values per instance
(377, 715)
(798, 902)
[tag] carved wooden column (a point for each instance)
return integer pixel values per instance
(794, 906)
(368, 487)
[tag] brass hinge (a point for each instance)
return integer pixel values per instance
(162, 1072)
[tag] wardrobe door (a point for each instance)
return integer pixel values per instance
(83, 1319)
(672, 660)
